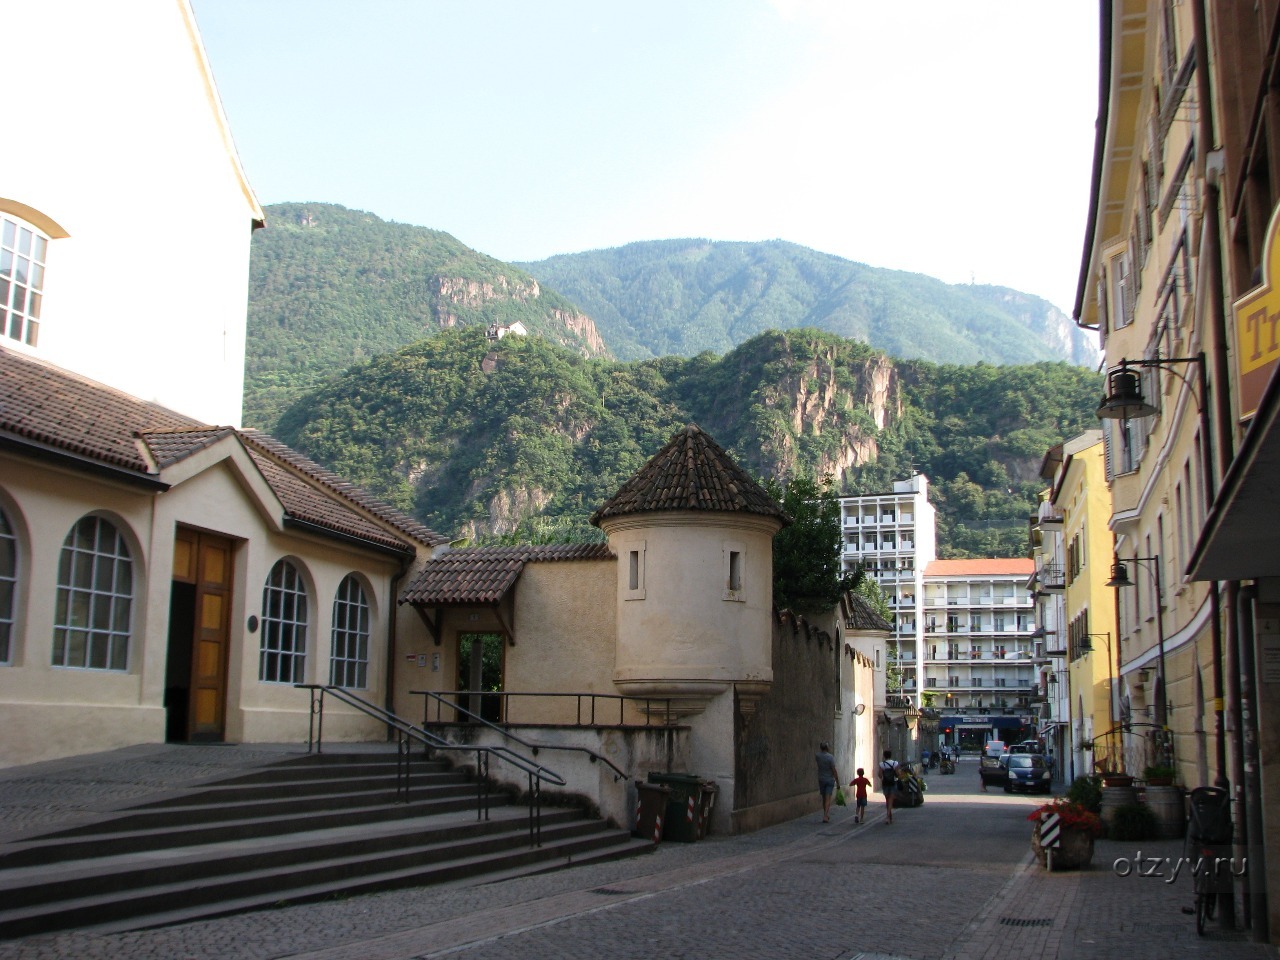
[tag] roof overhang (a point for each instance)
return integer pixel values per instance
(1238, 541)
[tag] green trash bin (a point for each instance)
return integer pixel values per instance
(684, 806)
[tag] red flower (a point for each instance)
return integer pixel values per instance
(1072, 815)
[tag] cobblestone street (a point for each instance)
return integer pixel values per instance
(952, 879)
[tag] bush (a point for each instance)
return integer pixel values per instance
(1133, 821)
(1086, 791)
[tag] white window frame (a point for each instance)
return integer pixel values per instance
(285, 609)
(349, 647)
(631, 569)
(24, 251)
(93, 610)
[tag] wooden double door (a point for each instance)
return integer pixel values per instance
(199, 636)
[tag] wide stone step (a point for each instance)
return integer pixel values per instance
(143, 834)
(128, 907)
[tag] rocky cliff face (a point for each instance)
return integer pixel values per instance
(569, 327)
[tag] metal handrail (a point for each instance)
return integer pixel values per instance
(430, 695)
(590, 698)
(407, 732)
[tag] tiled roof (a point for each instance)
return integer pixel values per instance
(485, 574)
(344, 488)
(691, 472)
(43, 404)
(171, 446)
(1020, 566)
(859, 614)
(50, 406)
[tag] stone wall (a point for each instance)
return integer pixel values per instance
(775, 743)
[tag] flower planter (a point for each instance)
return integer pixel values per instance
(1074, 851)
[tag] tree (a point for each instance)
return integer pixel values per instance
(806, 554)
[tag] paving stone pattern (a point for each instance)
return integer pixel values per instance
(952, 880)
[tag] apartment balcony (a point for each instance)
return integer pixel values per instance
(1052, 579)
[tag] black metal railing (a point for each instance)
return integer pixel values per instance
(407, 734)
(594, 715)
(464, 715)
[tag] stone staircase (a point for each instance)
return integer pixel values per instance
(303, 829)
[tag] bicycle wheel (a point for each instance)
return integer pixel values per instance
(1201, 910)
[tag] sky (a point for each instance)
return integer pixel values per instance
(952, 138)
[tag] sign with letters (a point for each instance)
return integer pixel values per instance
(1257, 322)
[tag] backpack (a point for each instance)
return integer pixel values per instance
(888, 775)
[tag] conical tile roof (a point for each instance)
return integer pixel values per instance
(692, 472)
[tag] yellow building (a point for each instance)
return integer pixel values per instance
(1178, 278)
(1087, 631)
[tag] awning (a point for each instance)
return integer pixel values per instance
(1238, 541)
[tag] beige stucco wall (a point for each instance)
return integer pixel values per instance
(684, 624)
(148, 290)
(52, 711)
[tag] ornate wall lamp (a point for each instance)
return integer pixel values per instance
(1120, 578)
(1124, 401)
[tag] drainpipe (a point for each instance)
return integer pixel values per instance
(1239, 653)
(1256, 876)
(393, 606)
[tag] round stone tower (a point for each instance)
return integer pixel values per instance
(693, 534)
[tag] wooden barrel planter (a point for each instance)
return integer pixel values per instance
(1167, 805)
(1117, 795)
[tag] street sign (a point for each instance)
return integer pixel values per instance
(1050, 830)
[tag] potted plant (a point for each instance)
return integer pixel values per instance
(1159, 775)
(1079, 826)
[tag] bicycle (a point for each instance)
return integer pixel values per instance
(1209, 831)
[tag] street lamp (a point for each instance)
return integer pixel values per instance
(1120, 578)
(1124, 401)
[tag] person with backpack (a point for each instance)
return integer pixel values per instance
(889, 782)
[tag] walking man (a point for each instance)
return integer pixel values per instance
(889, 782)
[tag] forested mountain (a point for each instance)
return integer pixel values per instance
(329, 286)
(681, 297)
(479, 438)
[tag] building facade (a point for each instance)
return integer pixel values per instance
(1177, 278)
(980, 661)
(893, 537)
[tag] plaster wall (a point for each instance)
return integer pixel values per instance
(637, 752)
(153, 303)
(58, 711)
(683, 620)
(776, 778)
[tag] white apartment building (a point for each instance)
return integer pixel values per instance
(893, 536)
(980, 662)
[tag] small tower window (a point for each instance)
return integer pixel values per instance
(733, 555)
(633, 572)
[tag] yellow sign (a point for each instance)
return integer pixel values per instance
(1258, 328)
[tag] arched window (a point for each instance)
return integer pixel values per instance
(93, 615)
(349, 660)
(283, 654)
(8, 586)
(22, 255)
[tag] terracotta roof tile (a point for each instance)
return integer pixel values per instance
(43, 404)
(485, 574)
(1019, 566)
(343, 488)
(692, 472)
(859, 614)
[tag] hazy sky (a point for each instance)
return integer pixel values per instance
(946, 137)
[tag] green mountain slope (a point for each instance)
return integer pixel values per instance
(477, 437)
(330, 286)
(685, 296)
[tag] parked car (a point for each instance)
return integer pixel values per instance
(993, 748)
(1027, 771)
(991, 771)
(1028, 746)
